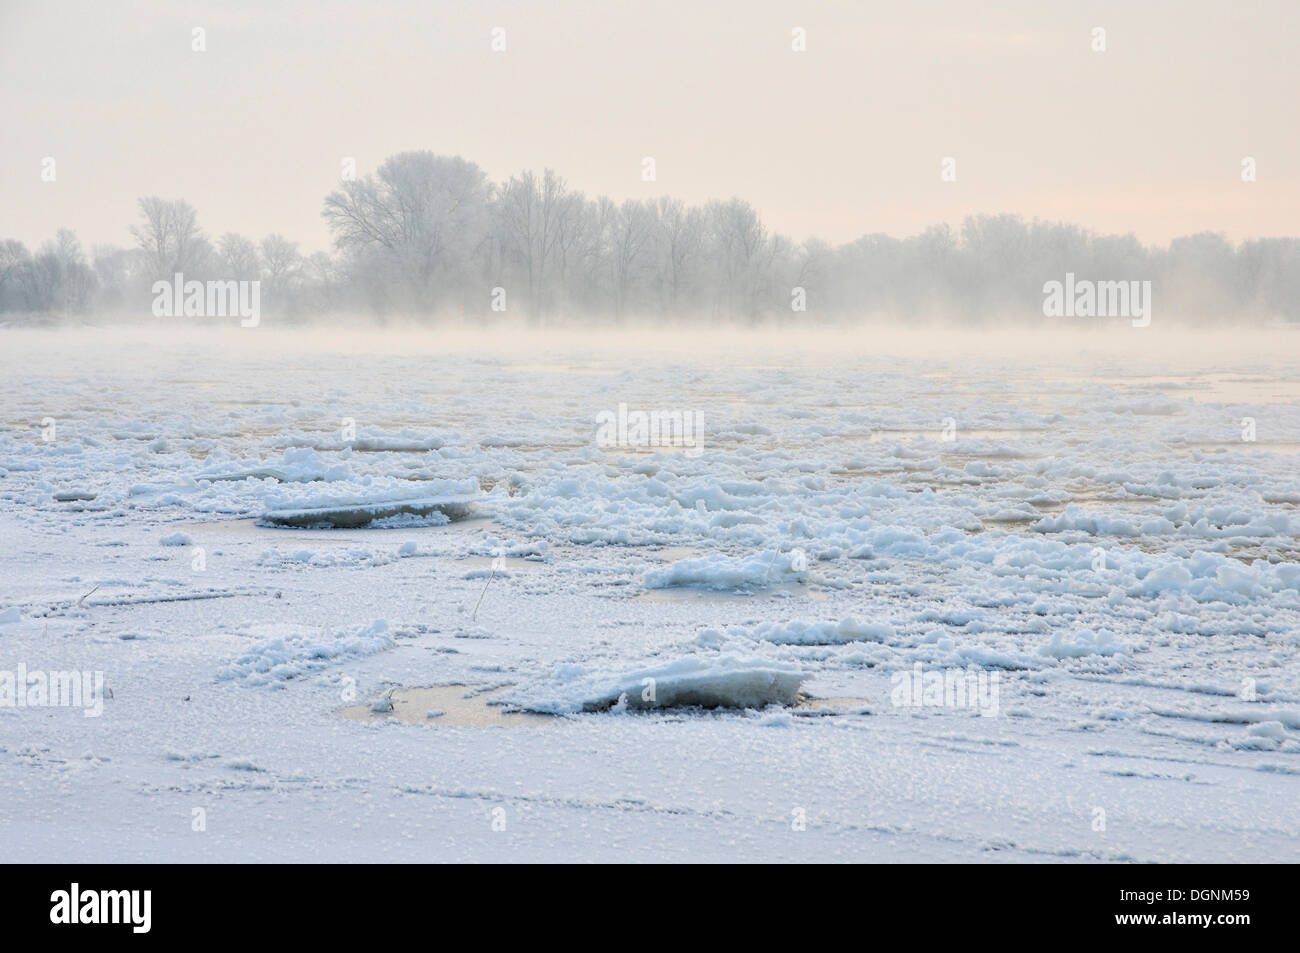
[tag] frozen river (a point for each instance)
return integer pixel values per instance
(889, 597)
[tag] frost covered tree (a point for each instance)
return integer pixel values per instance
(431, 235)
(14, 256)
(418, 221)
(281, 263)
(631, 251)
(538, 223)
(737, 244)
(679, 234)
(170, 239)
(239, 258)
(57, 279)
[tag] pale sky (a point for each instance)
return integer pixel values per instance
(838, 141)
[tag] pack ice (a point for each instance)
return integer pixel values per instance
(248, 536)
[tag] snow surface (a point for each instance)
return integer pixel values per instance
(1097, 536)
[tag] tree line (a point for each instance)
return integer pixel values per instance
(431, 236)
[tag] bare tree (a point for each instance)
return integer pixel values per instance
(13, 257)
(422, 216)
(538, 222)
(679, 237)
(57, 278)
(170, 237)
(632, 250)
(239, 258)
(738, 238)
(281, 263)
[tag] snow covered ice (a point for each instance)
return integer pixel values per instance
(709, 642)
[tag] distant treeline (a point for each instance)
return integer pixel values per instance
(431, 236)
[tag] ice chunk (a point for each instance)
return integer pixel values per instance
(822, 633)
(722, 572)
(727, 681)
(351, 516)
(1084, 643)
(281, 659)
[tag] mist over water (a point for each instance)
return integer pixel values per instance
(1109, 348)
